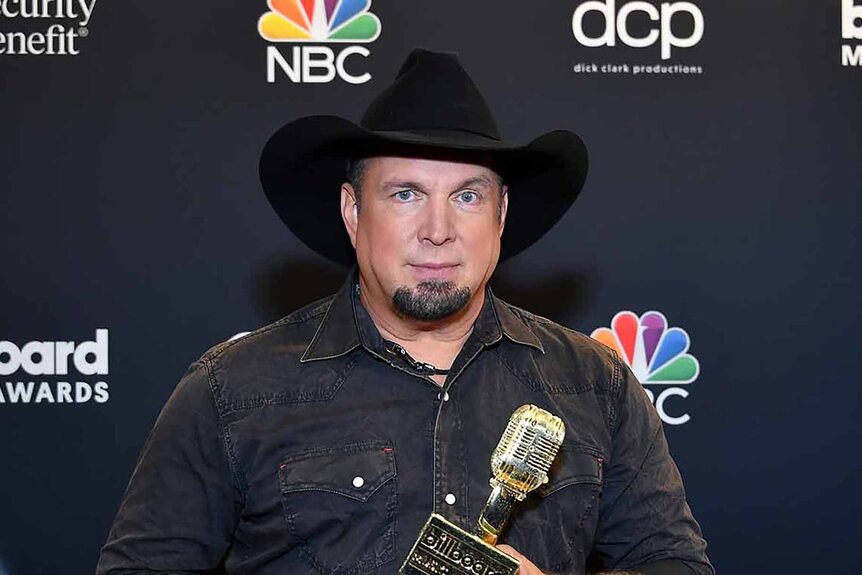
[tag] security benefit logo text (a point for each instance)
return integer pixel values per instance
(55, 358)
(65, 22)
(851, 29)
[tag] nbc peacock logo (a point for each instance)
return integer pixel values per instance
(319, 21)
(309, 23)
(656, 354)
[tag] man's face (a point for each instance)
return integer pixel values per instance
(427, 234)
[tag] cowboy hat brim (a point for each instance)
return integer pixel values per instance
(303, 165)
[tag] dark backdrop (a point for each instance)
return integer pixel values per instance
(723, 193)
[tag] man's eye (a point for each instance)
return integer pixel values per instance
(404, 195)
(468, 197)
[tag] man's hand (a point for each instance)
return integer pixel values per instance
(527, 567)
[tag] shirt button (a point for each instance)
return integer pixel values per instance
(358, 481)
(443, 395)
(450, 499)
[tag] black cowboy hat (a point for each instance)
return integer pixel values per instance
(432, 107)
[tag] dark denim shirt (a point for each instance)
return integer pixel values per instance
(313, 445)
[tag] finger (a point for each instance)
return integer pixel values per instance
(511, 551)
(527, 567)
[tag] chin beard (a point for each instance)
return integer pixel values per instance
(430, 300)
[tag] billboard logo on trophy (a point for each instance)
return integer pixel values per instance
(309, 23)
(656, 354)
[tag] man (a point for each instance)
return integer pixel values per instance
(321, 443)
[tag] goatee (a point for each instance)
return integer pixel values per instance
(430, 300)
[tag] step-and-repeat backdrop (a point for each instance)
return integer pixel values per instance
(715, 243)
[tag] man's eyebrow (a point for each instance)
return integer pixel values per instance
(475, 181)
(401, 185)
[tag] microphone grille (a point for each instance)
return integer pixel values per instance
(527, 448)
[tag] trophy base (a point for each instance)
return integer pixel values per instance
(445, 549)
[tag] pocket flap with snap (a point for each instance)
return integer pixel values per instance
(574, 464)
(355, 470)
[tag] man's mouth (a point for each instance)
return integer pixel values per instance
(434, 270)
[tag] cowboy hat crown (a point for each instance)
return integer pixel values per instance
(463, 109)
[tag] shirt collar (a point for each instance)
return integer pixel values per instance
(337, 334)
(347, 325)
(511, 325)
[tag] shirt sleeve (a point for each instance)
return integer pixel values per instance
(645, 523)
(181, 505)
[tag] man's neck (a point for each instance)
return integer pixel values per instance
(437, 343)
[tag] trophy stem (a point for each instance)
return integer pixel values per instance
(496, 512)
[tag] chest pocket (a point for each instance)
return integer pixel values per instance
(575, 464)
(555, 525)
(339, 504)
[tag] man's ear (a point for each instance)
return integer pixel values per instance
(504, 207)
(349, 211)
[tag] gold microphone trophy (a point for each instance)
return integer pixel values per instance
(520, 464)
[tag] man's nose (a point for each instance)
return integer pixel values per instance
(438, 225)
